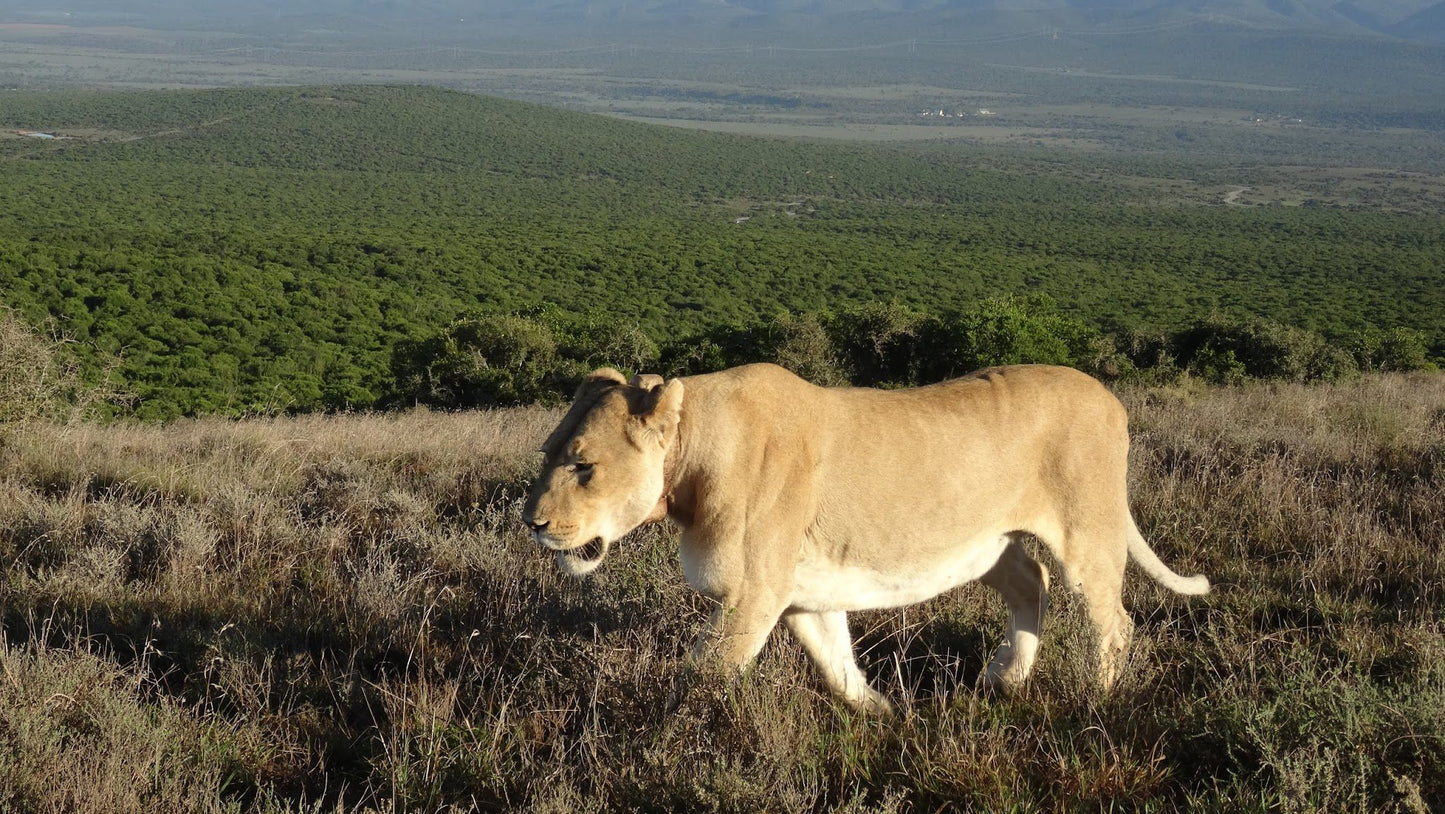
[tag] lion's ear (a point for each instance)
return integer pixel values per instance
(598, 379)
(661, 407)
(645, 381)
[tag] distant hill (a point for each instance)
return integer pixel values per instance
(1428, 24)
(553, 19)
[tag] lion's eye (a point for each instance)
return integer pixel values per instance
(580, 468)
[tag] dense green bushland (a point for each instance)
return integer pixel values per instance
(513, 360)
(343, 613)
(262, 250)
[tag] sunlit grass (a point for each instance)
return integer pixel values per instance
(341, 613)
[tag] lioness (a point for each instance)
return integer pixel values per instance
(803, 503)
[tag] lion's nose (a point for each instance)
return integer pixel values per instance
(535, 525)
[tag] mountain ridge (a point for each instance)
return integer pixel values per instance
(581, 19)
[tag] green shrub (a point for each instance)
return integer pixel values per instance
(1223, 349)
(1397, 350)
(1004, 331)
(691, 356)
(878, 343)
(800, 343)
(620, 345)
(1146, 356)
(481, 362)
(1218, 365)
(506, 360)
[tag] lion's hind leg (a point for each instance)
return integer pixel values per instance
(1094, 558)
(1024, 584)
(826, 639)
(1115, 630)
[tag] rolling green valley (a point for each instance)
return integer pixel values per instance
(252, 250)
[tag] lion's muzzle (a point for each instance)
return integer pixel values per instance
(546, 536)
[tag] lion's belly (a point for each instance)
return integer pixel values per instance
(821, 584)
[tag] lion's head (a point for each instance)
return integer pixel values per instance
(602, 471)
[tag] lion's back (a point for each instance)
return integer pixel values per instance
(1018, 413)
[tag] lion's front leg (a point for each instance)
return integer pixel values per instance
(737, 630)
(828, 643)
(732, 637)
(747, 569)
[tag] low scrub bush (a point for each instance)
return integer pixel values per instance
(881, 344)
(1398, 350)
(480, 362)
(508, 360)
(1226, 351)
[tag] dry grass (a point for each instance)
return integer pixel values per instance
(42, 380)
(340, 614)
(37, 381)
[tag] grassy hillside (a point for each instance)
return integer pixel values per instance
(343, 614)
(266, 249)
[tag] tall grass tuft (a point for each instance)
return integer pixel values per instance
(40, 379)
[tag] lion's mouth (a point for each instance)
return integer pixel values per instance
(584, 558)
(594, 550)
(581, 560)
(587, 554)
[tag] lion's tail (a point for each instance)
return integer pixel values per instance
(1149, 561)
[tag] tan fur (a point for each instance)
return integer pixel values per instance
(802, 503)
